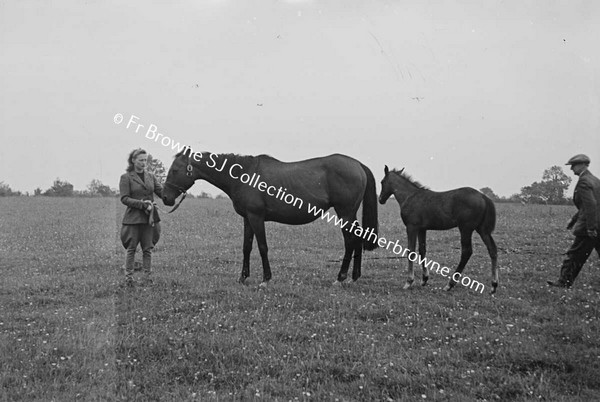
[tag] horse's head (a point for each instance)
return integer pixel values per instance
(180, 177)
(386, 185)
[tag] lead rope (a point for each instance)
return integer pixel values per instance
(167, 212)
(151, 217)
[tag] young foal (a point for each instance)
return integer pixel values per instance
(422, 209)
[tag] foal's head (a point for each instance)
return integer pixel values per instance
(387, 189)
(395, 180)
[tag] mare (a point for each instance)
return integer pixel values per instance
(263, 188)
(422, 209)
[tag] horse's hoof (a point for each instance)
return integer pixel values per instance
(494, 287)
(424, 282)
(263, 285)
(449, 286)
(337, 284)
(242, 280)
(407, 285)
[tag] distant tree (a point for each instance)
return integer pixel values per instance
(94, 185)
(81, 193)
(490, 193)
(37, 191)
(536, 193)
(503, 199)
(222, 196)
(97, 189)
(156, 167)
(204, 194)
(557, 182)
(6, 191)
(60, 189)
(551, 190)
(515, 198)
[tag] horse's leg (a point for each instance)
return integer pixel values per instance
(257, 223)
(411, 233)
(493, 251)
(465, 254)
(348, 249)
(422, 250)
(358, 249)
(248, 237)
(356, 244)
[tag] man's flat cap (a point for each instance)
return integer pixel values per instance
(581, 158)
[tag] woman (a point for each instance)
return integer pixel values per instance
(141, 221)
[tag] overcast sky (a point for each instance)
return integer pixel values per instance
(464, 93)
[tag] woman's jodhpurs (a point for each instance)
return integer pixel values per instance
(145, 235)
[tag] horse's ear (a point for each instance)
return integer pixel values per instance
(386, 170)
(401, 170)
(183, 152)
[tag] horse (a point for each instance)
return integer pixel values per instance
(263, 188)
(422, 209)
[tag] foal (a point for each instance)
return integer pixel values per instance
(422, 209)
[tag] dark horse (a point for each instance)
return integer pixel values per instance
(265, 189)
(422, 209)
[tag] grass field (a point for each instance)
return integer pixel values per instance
(67, 332)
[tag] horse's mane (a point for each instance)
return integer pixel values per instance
(241, 159)
(244, 160)
(409, 178)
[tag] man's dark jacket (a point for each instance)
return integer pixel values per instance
(587, 201)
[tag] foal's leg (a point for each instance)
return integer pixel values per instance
(257, 223)
(348, 249)
(466, 252)
(493, 251)
(422, 251)
(248, 237)
(411, 233)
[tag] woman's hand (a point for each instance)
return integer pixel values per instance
(148, 207)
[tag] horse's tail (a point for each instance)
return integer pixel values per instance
(488, 223)
(369, 211)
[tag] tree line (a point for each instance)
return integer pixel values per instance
(550, 190)
(62, 188)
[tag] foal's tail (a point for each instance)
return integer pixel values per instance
(369, 210)
(488, 223)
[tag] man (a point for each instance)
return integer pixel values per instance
(585, 222)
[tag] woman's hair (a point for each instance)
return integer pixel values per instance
(132, 155)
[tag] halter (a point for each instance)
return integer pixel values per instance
(180, 189)
(189, 169)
